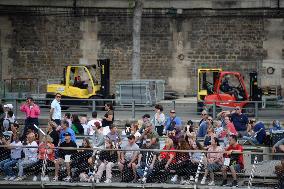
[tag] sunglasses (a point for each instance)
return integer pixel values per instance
(203, 114)
(237, 109)
(58, 96)
(173, 112)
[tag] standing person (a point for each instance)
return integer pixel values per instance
(109, 115)
(171, 120)
(236, 161)
(55, 110)
(240, 121)
(159, 119)
(32, 112)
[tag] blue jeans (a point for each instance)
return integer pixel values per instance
(7, 166)
(141, 170)
(251, 139)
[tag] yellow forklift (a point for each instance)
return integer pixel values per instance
(81, 82)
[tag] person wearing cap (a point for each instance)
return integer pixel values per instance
(170, 126)
(65, 128)
(64, 156)
(32, 112)
(145, 120)
(128, 159)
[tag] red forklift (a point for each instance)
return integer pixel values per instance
(227, 90)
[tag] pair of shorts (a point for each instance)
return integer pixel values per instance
(214, 167)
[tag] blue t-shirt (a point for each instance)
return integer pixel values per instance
(262, 134)
(202, 129)
(69, 130)
(169, 120)
(240, 121)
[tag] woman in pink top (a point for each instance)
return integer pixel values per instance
(32, 112)
(214, 161)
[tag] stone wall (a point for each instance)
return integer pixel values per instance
(172, 47)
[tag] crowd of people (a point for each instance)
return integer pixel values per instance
(210, 144)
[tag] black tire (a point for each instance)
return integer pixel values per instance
(249, 110)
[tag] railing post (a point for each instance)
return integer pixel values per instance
(133, 109)
(214, 110)
(16, 107)
(174, 104)
(93, 105)
(256, 109)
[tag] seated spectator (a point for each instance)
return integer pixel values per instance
(98, 136)
(76, 125)
(189, 129)
(146, 161)
(15, 130)
(175, 135)
(128, 159)
(181, 168)
(279, 146)
(91, 123)
(230, 128)
(46, 154)
(195, 158)
(257, 134)
(86, 127)
(107, 161)
(218, 129)
(80, 158)
(15, 156)
(169, 126)
(214, 161)
(159, 119)
(135, 131)
(208, 137)
(31, 153)
(240, 121)
(66, 129)
(145, 120)
(114, 136)
(65, 155)
(164, 163)
(67, 117)
(236, 163)
(279, 170)
(208, 121)
(149, 132)
(276, 126)
(51, 131)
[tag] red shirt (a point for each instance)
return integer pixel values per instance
(46, 152)
(166, 155)
(240, 158)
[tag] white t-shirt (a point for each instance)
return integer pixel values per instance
(91, 124)
(57, 109)
(86, 129)
(16, 150)
(31, 153)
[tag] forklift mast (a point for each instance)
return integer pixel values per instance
(104, 65)
(255, 91)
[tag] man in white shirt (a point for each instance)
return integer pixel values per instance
(31, 155)
(55, 111)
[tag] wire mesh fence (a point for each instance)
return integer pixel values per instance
(145, 166)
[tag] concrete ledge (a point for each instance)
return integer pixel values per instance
(182, 4)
